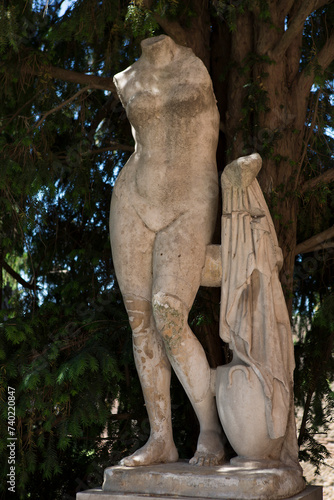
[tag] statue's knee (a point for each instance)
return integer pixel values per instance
(170, 315)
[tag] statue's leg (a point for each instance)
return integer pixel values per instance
(154, 373)
(179, 255)
(132, 246)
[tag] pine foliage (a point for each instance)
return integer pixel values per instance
(65, 342)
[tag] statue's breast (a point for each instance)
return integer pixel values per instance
(173, 102)
(187, 100)
(143, 107)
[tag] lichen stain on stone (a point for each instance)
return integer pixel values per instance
(170, 323)
(172, 342)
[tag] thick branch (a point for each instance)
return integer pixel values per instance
(285, 6)
(295, 27)
(316, 242)
(60, 106)
(322, 3)
(322, 59)
(172, 29)
(324, 246)
(324, 178)
(326, 54)
(17, 277)
(194, 35)
(94, 82)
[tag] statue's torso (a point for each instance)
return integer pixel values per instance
(175, 124)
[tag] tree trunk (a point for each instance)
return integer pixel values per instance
(264, 112)
(257, 105)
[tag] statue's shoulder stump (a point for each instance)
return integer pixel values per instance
(181, 481)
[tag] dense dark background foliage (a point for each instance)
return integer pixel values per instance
(65, 343)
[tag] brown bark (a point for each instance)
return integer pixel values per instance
(91, 81)
(316, 242)
(324, 178)
(16, 276)
(239, 76)
(172, 29)
(295, 27)
(322, 60)
(199, 31)
(220, 52)
(196, 35)
(279, 125)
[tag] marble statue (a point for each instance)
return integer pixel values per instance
(163, 213)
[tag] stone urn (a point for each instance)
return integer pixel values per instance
(242, 410)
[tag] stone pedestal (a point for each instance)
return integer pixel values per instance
(183, 481)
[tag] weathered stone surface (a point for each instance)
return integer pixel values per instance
(183, 480)
(310, 493)
(162, 217)
(255, 390)
(212, 270)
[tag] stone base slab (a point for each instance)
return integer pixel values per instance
(181, 480)
(310, 493)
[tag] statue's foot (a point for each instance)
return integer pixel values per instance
(210, 449)
(154, 452)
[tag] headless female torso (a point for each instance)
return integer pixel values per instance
(170, 104)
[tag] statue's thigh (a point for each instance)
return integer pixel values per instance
(179, 256)
(132, 247)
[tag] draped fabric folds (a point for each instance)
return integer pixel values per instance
(254, 318)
